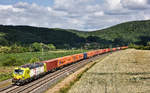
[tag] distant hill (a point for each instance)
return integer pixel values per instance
(137, 32)
(122, 34)
(26, 35)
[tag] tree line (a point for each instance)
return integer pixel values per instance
(136, 32)
(35, 47)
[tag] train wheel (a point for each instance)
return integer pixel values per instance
(18, 84)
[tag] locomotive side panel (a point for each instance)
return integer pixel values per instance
(36, 71)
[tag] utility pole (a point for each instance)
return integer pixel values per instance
(42, 49)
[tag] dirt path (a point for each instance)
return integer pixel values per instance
(125, 71)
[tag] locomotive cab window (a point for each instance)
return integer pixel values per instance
(18, 71)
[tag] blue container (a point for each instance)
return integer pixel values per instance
(85, 55)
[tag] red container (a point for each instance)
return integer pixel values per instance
(51, 64)
(100, 51)
(104, 50)
(109, 49)
(114, 49)
(95, 53)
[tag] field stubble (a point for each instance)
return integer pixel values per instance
(126, 71)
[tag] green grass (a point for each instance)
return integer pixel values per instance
(25, 57)
(5, 76)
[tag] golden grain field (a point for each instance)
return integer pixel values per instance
(126, 71)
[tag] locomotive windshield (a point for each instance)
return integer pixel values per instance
(18, 71)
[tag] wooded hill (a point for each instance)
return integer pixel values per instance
(137, 32)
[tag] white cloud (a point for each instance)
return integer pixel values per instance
(29, 14)
(99, 13)
(146, 17)
(10, 7)
(115, 7)
(76, 6)
(75, 14)
(113, 4)
(135, 4)
(5, 7)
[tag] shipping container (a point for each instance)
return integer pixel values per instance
(118, 48)
(114, 49)
(124, 47)
(51, 64)
(75, 58)
(104, 50)
(109, 49)
(100, 51)
(90, 54)
(65, 60)
(85, 55)
(81, 56)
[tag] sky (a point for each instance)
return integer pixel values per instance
(84, 15)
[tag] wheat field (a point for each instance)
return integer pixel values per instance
(126, 71)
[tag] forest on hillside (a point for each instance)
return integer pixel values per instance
(135, 32)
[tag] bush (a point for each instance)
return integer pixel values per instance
(34, 59)
(37, 46)
(5, 49)
(5, 76)
(140, 46)
(12, 61)
(13, 49)
(51, 47)
(17, 49)
(148, 43)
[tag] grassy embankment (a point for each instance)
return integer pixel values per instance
(5, 71)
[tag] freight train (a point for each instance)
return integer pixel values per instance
(29, 72)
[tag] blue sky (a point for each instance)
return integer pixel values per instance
(73, 14)
(39, 2)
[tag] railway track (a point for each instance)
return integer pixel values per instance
(42, 84)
